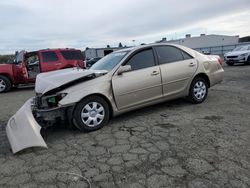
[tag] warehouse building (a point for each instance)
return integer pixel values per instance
(204, 41)
(209, 44)
(99, 52)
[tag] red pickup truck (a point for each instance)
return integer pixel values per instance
(27, 65)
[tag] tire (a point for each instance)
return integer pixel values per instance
(91, 113)
(248, 61)
(198, 90)
(229, 63)
(5, 84)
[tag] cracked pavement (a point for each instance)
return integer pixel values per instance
(173, 144)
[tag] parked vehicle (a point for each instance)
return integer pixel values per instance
(241, 54)
(92, 61)
(26, 65)
(122, 81)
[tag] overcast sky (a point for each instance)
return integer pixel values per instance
(36, 24)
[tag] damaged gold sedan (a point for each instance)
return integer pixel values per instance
(122, 81)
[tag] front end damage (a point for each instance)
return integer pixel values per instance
(44, 110)
(24, 128)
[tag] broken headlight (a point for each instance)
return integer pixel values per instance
(52, 101)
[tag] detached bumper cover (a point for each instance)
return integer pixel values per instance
(23, 131)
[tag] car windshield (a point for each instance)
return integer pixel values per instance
(241, 48)
(109, 62)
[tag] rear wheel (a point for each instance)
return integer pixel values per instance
(5, 84)
(229, 63)
(91, 113)
(198, 90)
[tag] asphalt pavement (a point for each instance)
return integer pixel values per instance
(173, 144)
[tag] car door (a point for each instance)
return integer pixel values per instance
(140, 85)
(49, 61)
(177, 68)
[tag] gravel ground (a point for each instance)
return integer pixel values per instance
(173, 144)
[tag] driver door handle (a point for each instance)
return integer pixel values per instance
(191, 64)
(154, 73)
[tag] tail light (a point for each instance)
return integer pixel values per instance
(219, 61)
(84, 64)
(24, 72)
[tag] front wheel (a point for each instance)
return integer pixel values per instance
(198, 90)
(5, 84)
(91, 113)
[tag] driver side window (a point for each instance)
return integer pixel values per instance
(142, 59)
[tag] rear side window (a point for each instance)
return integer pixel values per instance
(72, 55)
(141, 60)
(186, 55)
(168, 54)
(49, 56)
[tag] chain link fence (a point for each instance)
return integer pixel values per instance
(220, 50)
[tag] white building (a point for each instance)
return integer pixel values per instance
(205, 41)
(99, 52)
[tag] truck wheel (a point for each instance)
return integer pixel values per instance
(5, 84)
(91, 113)
(198, 90)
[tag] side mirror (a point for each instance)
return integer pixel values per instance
(123, 69)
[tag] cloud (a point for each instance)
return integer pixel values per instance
(30, 24)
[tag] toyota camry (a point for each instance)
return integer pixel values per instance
(122, 81)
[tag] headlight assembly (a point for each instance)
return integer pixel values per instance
(53, 100)
(243, 55)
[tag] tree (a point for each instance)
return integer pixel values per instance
(120, 45)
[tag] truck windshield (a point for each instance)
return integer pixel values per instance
(109, 62)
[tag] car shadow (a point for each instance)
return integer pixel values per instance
(64, 129)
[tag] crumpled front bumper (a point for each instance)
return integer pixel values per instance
(23, 131)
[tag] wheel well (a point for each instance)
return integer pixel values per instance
(105, 98)
(205, 77)
(6, 75)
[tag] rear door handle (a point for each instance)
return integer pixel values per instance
(191, 65)
(154, 73)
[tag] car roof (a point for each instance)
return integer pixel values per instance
(59, 49)
(148, 45)
(189, 50)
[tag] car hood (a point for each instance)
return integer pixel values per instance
(5, 65)
(49, 81)
(236, 53)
